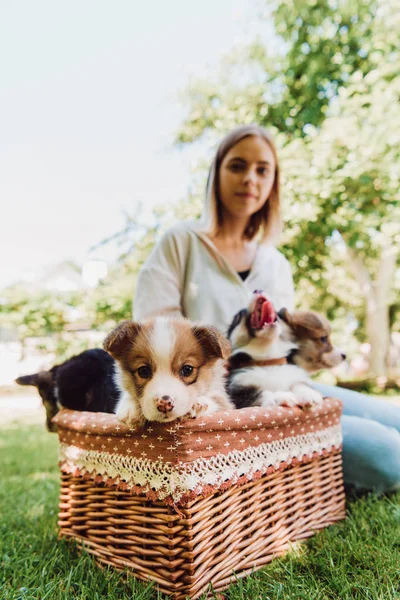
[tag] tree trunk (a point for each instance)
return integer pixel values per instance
(376, 295)
(377, 325)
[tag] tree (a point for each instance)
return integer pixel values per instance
(331, 93)
(352, 202)
(318, 45)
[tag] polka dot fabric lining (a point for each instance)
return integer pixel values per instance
(178, 461)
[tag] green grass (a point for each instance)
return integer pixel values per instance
(356, 559)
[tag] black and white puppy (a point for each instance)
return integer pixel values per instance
(83, 382)
(273, 355)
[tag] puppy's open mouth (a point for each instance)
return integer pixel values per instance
(263, 314)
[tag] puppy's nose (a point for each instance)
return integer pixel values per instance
(342, 354)
(165, 404)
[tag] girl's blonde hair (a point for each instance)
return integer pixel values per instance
(265, 223)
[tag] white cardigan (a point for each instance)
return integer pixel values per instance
(186, 275)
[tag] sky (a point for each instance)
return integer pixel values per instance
(89, 106)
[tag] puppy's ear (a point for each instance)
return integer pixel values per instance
(285, 315)
(120, 338)
(36, 379)
(214, 344)
(308, 324)
(242, 314)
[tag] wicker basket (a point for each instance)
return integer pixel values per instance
(200, 502)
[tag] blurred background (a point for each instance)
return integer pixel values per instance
(109, 116)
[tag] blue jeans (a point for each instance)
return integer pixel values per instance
(371, 439)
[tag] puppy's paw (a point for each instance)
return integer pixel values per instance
(307, 396)
(131, 421)
(128, 413)
(268, 399)
(203, 406)
(286, 399)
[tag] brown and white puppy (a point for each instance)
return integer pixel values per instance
(311, 332)
(168, 369)
(274, 353)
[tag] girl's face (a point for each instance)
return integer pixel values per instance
(246, 177)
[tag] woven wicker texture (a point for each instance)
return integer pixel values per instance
(236, 531)
(285, 484)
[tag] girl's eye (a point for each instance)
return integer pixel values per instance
(236, 167)
(324, 339)
(186, 370)
(144, 372)
(263, 171)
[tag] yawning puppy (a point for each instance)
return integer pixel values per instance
(168, 368)
(273, 354)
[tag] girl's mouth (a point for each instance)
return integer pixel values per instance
(245, 195)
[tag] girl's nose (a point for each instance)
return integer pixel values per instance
(249, 176)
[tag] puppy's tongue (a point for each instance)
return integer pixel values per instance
(263, 314)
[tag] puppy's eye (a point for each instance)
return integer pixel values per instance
(144, 372)
(186, 370)
(324, 339)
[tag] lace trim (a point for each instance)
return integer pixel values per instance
(179, 482)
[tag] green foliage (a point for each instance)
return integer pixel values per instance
(345, 179)
(328, 85)
(36, 314)
(327, 41)
(318, 45)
